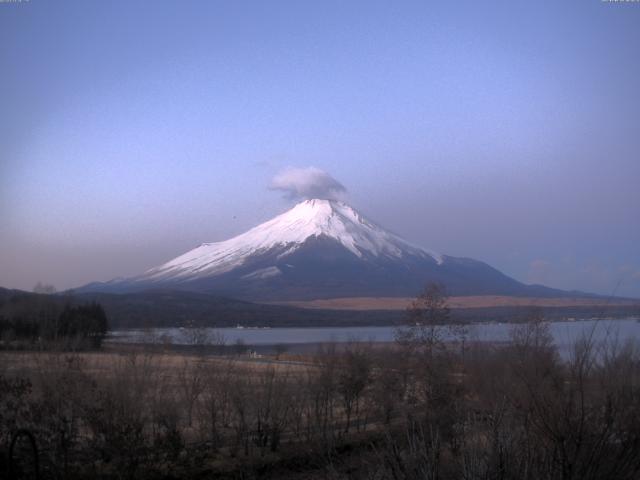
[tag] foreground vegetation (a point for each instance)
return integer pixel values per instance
(418, 409)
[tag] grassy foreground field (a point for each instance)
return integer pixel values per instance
(413, 410)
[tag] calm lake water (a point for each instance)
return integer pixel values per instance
(564, 333)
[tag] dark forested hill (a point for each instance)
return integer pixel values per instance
(167, 308)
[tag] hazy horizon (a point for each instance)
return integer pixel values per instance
(502, 131)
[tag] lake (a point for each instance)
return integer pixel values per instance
(564, 333)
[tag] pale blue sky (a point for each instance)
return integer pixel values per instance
(507, 131)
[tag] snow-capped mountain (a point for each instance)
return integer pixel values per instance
(288, 233)
(319, 249)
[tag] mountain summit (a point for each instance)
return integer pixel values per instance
(310, 220)
(320, 249)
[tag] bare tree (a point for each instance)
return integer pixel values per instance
(388, 384)
(426, 316)
(216, 400)
(280, 348)
(353, 378)
(44, 288)
(191, 384)
(240, 347)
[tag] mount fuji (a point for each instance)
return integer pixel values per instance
(320, 249)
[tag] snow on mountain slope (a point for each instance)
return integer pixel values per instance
(308, 219)
(320, 249)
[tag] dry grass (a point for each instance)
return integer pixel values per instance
(100, 362)
(363, 412)
(485, 301)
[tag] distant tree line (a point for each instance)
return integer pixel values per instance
(48, 320)
(163, 309)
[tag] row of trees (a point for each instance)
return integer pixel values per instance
(28, 319)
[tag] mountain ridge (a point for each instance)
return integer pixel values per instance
(321, 249)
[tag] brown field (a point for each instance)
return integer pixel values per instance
(401, 303)
(169, 363)
(423, 408)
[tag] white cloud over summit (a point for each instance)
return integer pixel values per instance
(306, 183)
